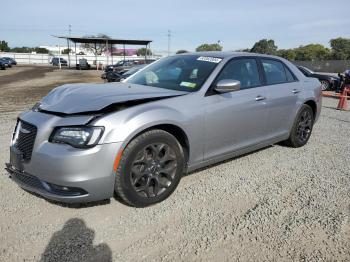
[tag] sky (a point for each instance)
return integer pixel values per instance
(236, 24)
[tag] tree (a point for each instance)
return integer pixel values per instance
(4, 46)
(142, 51)
(24, 49)
(40, 50)
(288, 54)
(340, 48)
(181, 51)
(67, 51)
(312, 52)
(209, 47)
(96, 49)
(265, 46)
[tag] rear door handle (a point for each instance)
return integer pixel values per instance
(295, 91)
(260, 98)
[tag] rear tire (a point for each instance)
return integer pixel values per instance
(150, 168)
(302, 127)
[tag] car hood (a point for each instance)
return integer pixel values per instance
(86, 98)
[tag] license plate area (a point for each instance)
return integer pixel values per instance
(16, 158)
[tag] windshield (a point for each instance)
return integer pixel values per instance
(182, 73)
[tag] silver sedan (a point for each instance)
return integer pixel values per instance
(85, 142)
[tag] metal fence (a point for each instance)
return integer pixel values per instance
(45, 59)
(331, 66)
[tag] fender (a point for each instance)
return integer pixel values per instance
(123, 126)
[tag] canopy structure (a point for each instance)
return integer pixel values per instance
(104, 40)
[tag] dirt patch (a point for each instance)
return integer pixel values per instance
(26, 74)
(27, 84)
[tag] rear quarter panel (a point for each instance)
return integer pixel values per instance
(311, 88)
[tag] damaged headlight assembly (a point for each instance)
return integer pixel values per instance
(77, 136)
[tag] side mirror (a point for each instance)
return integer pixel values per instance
(227, 85)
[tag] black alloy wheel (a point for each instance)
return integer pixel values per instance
(302, 127)
(150, 168)
(153, 170)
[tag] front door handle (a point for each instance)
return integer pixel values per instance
(295, 91)
(260, 98)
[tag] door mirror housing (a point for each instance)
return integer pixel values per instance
(227, 85)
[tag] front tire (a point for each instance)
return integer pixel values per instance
(150, 168)
(302, 127)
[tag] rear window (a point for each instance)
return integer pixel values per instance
(276, 72)
(290, 77)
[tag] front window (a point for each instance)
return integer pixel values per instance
(182, 73)
(244, 70)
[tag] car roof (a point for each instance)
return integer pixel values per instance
(229, 54)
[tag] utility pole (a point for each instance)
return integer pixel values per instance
(59, 54)
(70, 31)
(169, 39)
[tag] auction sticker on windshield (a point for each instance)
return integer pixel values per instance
(209, 59)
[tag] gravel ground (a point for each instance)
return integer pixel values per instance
(274, 204)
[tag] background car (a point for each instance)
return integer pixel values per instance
(55, 61)
(112, 76)
(6, 62)
(83, 64)
(127, 64)
(10, 60)
(120, 66)
(328, 82)
(2, 65)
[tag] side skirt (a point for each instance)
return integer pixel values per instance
(236, 153)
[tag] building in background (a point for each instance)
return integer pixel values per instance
(54, 50)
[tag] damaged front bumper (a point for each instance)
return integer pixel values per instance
(60, 172)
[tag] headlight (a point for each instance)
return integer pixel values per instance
(79, 136)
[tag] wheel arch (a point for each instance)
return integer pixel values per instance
(313, 106)
(173, 129)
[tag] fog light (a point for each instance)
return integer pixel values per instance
(68, 191)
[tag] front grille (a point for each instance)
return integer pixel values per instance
(26, 139)
(28, 180)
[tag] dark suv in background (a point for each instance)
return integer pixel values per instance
(9, 60)
(2, 65)
(6, 62)
(124, 65)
